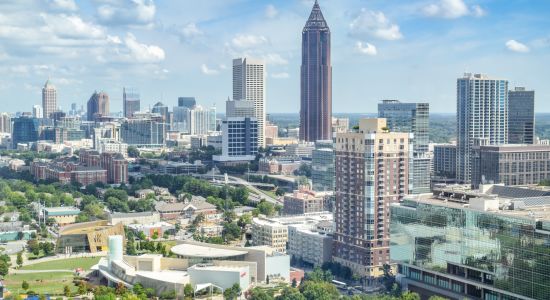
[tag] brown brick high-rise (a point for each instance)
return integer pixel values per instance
(372, 171)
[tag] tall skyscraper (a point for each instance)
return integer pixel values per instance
(49, 99)
(131, 102)
(408, 117)
(412, 118)
(188, 102)
(98, 105)
(372, 171)
(161, 109)
(37, 112)
(521, 116)
(316, 79)
(249, 76)
(482, 117)
(5, 123)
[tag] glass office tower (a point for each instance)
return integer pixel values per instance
(450, 249)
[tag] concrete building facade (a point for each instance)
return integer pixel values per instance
(249, 83)
(372, 171)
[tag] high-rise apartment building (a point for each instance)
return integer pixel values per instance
(249, 83)
(37, 112)
(5, 123)
(372, 171)
(143, 131)
(131, 102)
(316, 79)
(26, 130)
(180, 121)
(98, 106)
(413, 118)
(521, 116)
(49, 99)
(202, 120)
(482, 114)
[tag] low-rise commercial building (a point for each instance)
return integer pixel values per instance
(87, 237)
(152, 229)
(61, 215)
(126, 219)
(273, 232)
(279, 165)
(304, 200)
(510, 164)
(311, 242)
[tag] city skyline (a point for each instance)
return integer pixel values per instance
(160, 48)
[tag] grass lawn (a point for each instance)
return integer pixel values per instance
(64, 264)
(41, 283)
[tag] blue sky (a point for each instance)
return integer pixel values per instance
(411, 50)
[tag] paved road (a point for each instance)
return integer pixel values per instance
(254, 189)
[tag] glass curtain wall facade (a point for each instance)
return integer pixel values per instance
(456, 251)
(482, 113)
(521, 116)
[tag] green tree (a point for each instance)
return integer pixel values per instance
(19, 259)
(25, 285)
(266, 208)
(188, 290)
(291, 294)
(319, 290)
(66, 291)
(410, 296)
(4, 267)
(232, 292)
(437, 298)
(259, 294)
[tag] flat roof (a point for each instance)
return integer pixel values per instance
(530, 213)
(189, 250)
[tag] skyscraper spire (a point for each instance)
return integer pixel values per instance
(316, 18)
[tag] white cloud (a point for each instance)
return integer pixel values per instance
(516, 46)
(143, 53)
(452, 9)
(374, 24)
(245, 41)
(191, 30)
(270, 11)
(477, 11)
(127, 12)
(282, 75)
(71, 27)
(366, 48)
(69, 5)
(274, 59)
(207, 71)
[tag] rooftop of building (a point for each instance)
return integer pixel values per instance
(61, 210)
(196, 203)
(297, 219)
(516, 147)
(85, 228)
(132, 214)
(203, 251)
(531, 208)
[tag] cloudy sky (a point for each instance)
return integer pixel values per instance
(382, 49)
